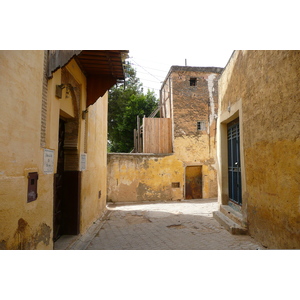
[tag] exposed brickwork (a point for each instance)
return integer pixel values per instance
(190, 97)
(44, 102)
(192, 103)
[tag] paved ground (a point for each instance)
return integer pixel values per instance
(184, 225)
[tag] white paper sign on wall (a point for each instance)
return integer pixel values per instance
(83, 162)
(48, 161)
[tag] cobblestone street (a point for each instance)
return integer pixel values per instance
(185, 225)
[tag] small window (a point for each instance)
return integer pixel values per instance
(32, 186)
(175, 184)
(201, 125)
(193, 81)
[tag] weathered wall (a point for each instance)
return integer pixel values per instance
(263, 88)
(144, 177)
(23, 225)
(30, 225)
(192, 104)
(149, 177)
(94, 178)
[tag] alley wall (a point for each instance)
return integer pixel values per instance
(30, 120)
(23, 225)
(261, 88)
(151, 177)
(144, 177)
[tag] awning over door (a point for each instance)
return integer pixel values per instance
(103, 68)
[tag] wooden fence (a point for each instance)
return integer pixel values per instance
(157, 135)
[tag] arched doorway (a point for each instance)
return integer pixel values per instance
(67, 180)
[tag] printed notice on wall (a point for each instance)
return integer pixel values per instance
(48, 161)
(83, 158)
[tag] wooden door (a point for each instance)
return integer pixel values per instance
(193, 182)
(58, 185)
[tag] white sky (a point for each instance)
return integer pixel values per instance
(153, 65)
(158, 34)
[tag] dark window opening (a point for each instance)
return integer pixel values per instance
(193, 81)
(175, 184)
(201, 125)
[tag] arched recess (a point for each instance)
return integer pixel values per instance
(71, 144)
(67, 186)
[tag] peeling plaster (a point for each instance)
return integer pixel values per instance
(210, 85)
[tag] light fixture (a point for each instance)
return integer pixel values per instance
(58, 91)
(84, 112)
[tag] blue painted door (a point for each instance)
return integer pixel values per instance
(234, 162)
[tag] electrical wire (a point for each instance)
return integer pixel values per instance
(175, 91)
(162, 77)
(155, 62)
(135, 64)
(147, 71)
(148, 80)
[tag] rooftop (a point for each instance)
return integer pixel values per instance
(196, 69)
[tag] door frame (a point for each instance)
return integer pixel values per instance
(234, 162)
(233, 111)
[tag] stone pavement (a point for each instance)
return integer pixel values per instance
(184, 225)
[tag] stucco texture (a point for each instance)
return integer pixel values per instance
(23, 225)
(142, 177)
(94, 181)
(267, 84)
(29, 225)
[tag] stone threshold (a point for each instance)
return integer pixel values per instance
(231, 220)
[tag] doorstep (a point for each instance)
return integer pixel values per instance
(231, 220)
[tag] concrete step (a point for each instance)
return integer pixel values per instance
(229, 225)
(233, 214)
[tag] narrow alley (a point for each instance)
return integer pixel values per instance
(184, 225)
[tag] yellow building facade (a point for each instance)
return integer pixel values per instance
(53, 143)
(258, 145)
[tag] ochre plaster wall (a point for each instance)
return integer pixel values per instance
(194, 151)
(23, 225)
(30, 225)
(266, 85)
(94, 178)
(144, 177)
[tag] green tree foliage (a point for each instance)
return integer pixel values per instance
(124, 105)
